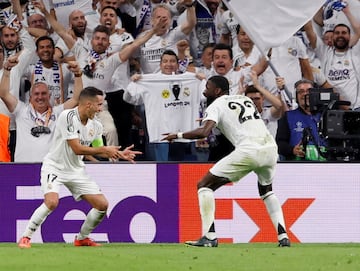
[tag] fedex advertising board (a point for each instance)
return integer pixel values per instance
(158, 203)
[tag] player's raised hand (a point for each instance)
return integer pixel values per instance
(39, 5)
(11, 62)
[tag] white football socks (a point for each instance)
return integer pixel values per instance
(275, 212)
(36, 220)
(207, 211)
(93, 218)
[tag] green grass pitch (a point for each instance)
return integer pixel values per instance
(170, 257)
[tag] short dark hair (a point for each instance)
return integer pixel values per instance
(303, 81)
(170, 53)
(220, 82)
(208, 45)
(90, 92)
(102, 29)
(108, 7)
(222, 46)
(251, 89)
(342, 25)
(44, 38)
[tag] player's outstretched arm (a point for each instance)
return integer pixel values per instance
(197, 133)
(111, 152)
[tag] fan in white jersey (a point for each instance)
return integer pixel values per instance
(36, 120)
(77, 27)
(255, 151)
(75, 130)
(341, 62)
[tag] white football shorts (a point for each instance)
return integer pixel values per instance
(261, 160)
(78, 184)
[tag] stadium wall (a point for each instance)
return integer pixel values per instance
(158, 203)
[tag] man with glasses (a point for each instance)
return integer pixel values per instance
(295, 124)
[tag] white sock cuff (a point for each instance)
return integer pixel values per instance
(268, 194)
(204, 189)
(96, 210)
(44, 208)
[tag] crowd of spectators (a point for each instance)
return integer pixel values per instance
(152, 58)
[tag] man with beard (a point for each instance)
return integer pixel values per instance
(94, 17)
(255, 151)
(10, 41)
(77, 24)
(341, 62)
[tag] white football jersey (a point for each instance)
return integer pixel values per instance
(171, 102)
(341, 70)
(61, 158)
(105, 68)
(26, 143)
(237, 118)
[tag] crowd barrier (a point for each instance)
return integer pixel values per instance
(157, 203)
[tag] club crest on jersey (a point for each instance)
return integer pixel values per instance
(292, 51)
(186, 92)
(165, 94)
(91, 132)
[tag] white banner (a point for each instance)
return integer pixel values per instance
(271, 22)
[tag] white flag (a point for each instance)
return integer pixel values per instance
(269, 23)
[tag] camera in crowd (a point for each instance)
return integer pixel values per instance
(38, 130)
(340, 128)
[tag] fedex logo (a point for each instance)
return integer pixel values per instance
(312, 196)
